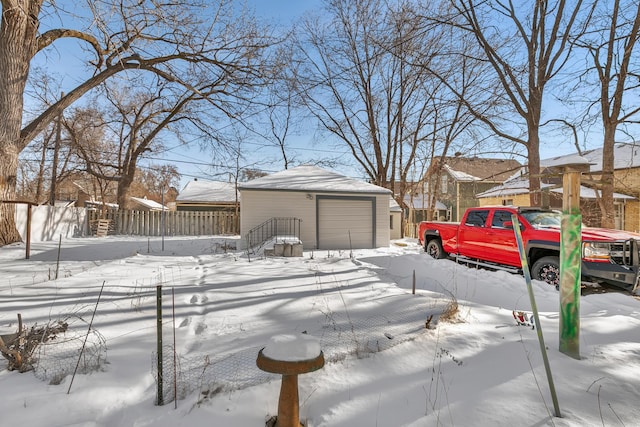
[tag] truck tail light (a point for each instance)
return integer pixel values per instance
(596, 252)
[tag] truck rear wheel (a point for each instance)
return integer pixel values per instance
(547, 269)
(434, 249)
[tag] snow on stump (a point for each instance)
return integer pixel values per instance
(290, 355)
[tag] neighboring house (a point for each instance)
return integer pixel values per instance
(98, 206)
(461, 178)
(81, 187)
(591, 214)
(208, 196)
(515, 191)
(417, 205)
(416, 211)
(336, 212)
(144, 204)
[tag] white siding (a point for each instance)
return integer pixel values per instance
(396, 219)
(258, 206)
(382, 220)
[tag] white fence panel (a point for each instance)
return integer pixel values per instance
(50, 222)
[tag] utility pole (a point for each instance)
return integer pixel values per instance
(162, 220)
(54, 168)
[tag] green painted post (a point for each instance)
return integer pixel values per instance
(571, 259)
(570, 272)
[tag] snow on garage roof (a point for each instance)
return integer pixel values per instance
(207, 191)
(149, 204)
(311, 178)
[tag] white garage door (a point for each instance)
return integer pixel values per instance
(345, 223)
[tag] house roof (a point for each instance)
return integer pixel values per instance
(479, 168)
(394, 206)
(208, 191)
(64, 203)
(513, 186)
(149, 204)
(421, 201)
(590, 193)
(520, 185)
(311, 178)
(625, 156)
(459, 175)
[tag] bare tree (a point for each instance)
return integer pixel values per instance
(361, 83)
(31, 177)
(131, 125)
(85, 130)
(527, 44)
(462, 81)
(284, 115)
(177, 41)
(611, 44)
(155, 180)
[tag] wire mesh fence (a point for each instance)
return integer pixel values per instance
(340, 336)
(76, 351)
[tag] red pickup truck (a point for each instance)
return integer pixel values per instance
(485, 237)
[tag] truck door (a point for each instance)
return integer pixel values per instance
(472, 234)
(501, 245)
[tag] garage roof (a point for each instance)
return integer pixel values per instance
(311, 178)
(207, 191)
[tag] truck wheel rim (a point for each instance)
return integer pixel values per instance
(433, 251)
(550, 274)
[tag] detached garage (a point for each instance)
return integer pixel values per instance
(331, 211)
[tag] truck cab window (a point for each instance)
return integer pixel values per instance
(477, 218)
(499, 218)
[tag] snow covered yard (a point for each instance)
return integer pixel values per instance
(478, 369)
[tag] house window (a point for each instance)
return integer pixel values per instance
(444, 184)
(391, 222)
(507, 202)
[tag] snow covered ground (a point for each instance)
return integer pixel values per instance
(383, 367)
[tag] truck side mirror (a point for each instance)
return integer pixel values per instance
(509, 225)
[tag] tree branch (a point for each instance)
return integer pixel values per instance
(46, 39)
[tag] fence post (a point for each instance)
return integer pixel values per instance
(159, 340)
(413, 288)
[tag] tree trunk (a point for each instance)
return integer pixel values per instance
(8, 170)
(17, 45)
(124, 184)
(533, 152)
(606, 197)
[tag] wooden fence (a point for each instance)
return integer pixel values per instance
(411, 229)
(176, 223)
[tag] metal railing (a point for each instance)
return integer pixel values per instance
(280, 228)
